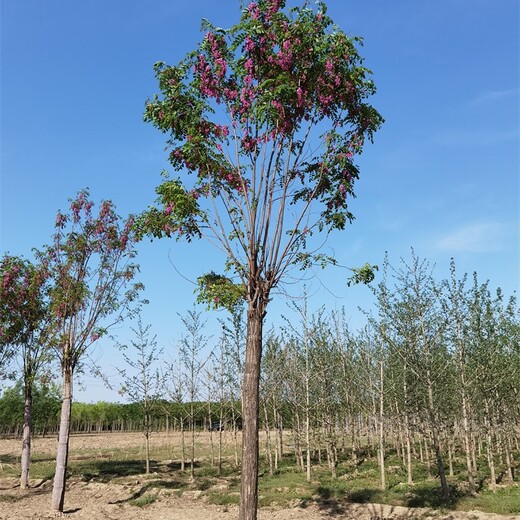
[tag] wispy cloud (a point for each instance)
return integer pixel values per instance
(476, 237)
(474, 137)
(491, 96)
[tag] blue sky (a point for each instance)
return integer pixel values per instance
(442, 176)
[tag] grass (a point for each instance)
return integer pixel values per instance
(143, 501)
(503, 501)
(286, 488)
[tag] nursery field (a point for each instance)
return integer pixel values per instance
(107, 481)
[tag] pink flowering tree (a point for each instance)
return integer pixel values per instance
(264, 121)
(24, 333)
(91, 272)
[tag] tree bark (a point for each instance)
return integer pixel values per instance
(62, 455)
(250, 411)
(27, 434)
(381, 428)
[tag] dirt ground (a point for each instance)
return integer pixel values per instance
(96, 500)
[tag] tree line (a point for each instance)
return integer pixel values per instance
(432, 376)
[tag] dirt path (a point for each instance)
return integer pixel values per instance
(95, 500)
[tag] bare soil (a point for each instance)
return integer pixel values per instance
(97, 500)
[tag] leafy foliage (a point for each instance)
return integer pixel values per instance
(216, 290)
(240, 112)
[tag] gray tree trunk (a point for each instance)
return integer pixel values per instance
(26, 440)
(58, 488)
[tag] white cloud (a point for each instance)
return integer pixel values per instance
(491, 96)
(474, 237)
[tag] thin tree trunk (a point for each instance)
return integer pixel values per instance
(183, 445)
(250, 411)
(467, 437)
(235, 437)
(280, 436)
(221, 418)
(192, 427)
(381, 429)
(27, 434)
(147, 450)
(268, 453)
(211, 442)
(489, 447)
(408, 450)
(62, 455)
(436, 443)
(449, 441)
(307, 425)
(508, 457)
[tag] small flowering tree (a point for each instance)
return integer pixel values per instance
(266, 119)
(24, 328)
(91, 272)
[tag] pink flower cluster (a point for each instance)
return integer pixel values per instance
(208, 82)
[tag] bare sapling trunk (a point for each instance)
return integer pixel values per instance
(147, 442)
(221, 424)
(235, 436)
(192, 447)
(436, 441)
(308, 445)
(62, 455)
(27, 434)
(280, 436)
(268, 454)
(183, 445)
(381, 428)
(211, 442)
(468, 447)
(489, 447)
(408, 450)
(250, 412)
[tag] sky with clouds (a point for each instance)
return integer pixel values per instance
(442, 176)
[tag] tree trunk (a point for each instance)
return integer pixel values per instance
(381, 428)
(250, 410)
(27, 434)
(147, 451)
(183, 446)
(467, 438)
(221, 418)
(192, 447)
(268, 454)
(235, 436)
(489, 447)
(62, 455)
(279, 438)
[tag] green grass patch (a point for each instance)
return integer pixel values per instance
(143, 501)
(503, 501)
(9, 498)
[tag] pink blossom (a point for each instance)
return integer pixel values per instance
(253, 10)
(299, 93)
(250, 44)
(249, 65)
